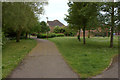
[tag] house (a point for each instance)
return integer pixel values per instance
(99, 29)
(54, 23)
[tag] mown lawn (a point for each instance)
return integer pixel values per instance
(13, 53)
(87, 60)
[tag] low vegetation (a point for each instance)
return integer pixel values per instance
(87, 60)
(65, 30)
(13, 53)
(50, 35)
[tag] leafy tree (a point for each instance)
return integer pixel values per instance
(58, 29)
(110, 17)
(80, 14)
(37, 27)
(20, 16)
(44, 27)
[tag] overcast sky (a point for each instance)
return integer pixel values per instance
(56, 9)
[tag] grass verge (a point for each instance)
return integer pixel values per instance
(87, 60)
(13, 53)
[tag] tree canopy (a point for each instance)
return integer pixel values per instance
(81, 14)
(20, 17)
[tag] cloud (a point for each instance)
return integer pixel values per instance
(56, 9)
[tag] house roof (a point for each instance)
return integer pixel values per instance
(55, 23)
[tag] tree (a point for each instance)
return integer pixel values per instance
(44, 27)
(74, 17)
(20, 16)
(110, 15)
(79, 15)
(16, 18)
(37, 27)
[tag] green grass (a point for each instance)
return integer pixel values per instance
(13, 53)
(87, 60)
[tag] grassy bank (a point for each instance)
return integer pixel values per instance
(87, 60)
(13, 53)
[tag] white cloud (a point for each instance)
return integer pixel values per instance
(56, 9)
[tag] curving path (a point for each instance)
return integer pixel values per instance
(112, 71)
(44, 61)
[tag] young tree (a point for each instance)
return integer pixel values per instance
(44, 27)
(109, 14)
(80, 13)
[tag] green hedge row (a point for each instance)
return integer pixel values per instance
(51, 35)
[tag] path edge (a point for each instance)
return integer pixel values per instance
(110, 64)
(65, 60)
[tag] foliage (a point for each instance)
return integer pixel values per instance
(81, 15)
(58, 29)
(22, 17)
(66, 30)
(59, 35)
(46, 35)
(87, 60)
(13, 53)
(4, 39)
(70, 32)
(37, 28)
(109, 17)
(100, 34)
(50, 35)
(44, 27)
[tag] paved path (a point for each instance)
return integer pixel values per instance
(44, 61)
(111, 72)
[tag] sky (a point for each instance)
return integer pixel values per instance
(56, 9)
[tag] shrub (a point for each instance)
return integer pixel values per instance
(58, 29)
(59, 35)
(51, 35)
(41, 35)
(45, 35)
(4, 39)
(69, 33)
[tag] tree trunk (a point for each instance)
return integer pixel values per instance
(112, 27)
(84, 35)
(18, 35)
(79, 34)
(26, 35)
(47, 36)
(89, 33)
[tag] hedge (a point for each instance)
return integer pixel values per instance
(59, 35)
(51, 35)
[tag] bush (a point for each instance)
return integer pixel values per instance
(41, 35)
(4, 39)
(45, 35)
(51, 35)
(58, 29)
(69, 33)
(59, 35)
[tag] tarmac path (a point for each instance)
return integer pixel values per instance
(44, 61)
(112, 71)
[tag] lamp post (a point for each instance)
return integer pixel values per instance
(47, 31)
